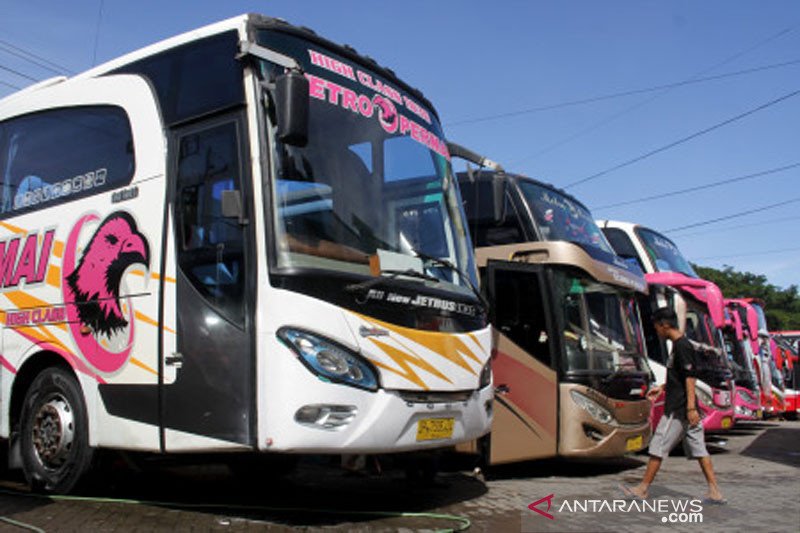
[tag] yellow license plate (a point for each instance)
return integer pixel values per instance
(726, 423)
(634, 444)
(435, 428)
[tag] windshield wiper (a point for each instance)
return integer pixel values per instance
(618, 371)
(448, 264)
(390, 274)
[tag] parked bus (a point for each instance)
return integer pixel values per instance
(785, 356)
(737, 335)
(749, 318)
(772, 375)
(245, 238)
(788, 344)
(699, 304)
(570, 367)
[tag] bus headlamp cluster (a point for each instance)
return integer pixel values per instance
(595, 410)
(746, 396)
(704, 397)
(330, 360)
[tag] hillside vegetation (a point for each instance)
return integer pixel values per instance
(782, 306)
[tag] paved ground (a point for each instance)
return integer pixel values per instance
(758, 469)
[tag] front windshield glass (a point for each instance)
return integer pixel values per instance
(602, 331)
(664, 253)
(372, 191)
(762, 318)
(705, 337)
(560, 218)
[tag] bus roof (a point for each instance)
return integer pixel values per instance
(566, 254)
(243, 24)
(488, 175)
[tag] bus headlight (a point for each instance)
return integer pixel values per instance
(595, 410)
(745, 396)
(330, 360)
(703, 397)
(486, 375)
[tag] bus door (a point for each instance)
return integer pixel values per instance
(526, 404)
(208, 376)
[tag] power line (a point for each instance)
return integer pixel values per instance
(17, 87)
(31, 54)
(748, 254)
(739, 226)
(643, 103)
(611, 96)
(719, 183)
(735, 215)
(18, 73)
(684, 139)
(39, 62)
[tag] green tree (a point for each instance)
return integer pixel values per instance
(781, 306)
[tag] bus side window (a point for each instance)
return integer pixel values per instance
(211, 251)
(623, 245)
(519, 312)
(55, 156)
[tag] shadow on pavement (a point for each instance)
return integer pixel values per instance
(564, 467)
(778, 445)
(317, 493)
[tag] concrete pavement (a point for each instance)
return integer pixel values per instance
(757, 467)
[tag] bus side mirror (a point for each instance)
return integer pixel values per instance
(499, 198)
(291, 101)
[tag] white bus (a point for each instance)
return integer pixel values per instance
(242, 239)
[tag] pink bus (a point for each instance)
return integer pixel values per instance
(699, 304)
(738, 335)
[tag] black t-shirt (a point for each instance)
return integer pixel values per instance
(682, 364)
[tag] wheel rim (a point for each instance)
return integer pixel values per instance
(53, 432)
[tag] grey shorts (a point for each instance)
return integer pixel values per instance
(670, 430)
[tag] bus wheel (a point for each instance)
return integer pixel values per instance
(54, 439)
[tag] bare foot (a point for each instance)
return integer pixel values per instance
(634, 492)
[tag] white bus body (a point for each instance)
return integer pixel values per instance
(332, 312)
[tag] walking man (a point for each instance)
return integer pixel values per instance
(681, 420)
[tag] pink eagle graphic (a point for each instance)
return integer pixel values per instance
(94, 284)
(91, 289)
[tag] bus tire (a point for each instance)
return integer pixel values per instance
(54, 436)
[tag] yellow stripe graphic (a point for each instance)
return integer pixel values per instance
(403, 359)
(447, 345)
(142, 365)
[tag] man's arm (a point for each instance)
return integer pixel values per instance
(691, 405)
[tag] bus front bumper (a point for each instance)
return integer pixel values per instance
(587, 440)
(375, 422)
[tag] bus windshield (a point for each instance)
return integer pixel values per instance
(374, 180)
(762, 318)
(664, 253)
(602, 330)
(560, 218)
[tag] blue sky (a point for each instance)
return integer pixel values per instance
(482, 59)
